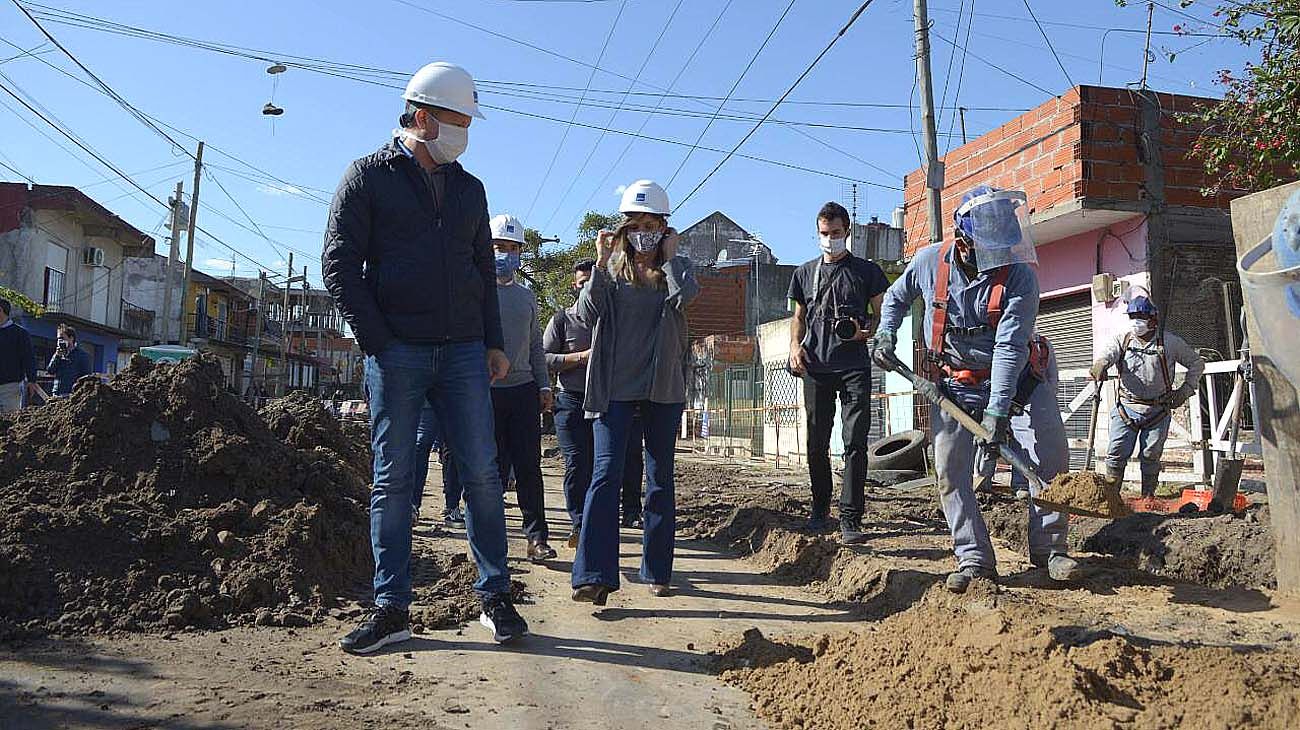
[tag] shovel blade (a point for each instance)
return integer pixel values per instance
(1227, 477)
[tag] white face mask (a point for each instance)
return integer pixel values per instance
(450, 143)
(1141, 327)
(833, 245)
(644, 241)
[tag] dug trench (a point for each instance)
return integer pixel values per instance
(1173, 624)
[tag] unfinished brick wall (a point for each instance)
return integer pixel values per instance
(1082, 145)
(720, 307)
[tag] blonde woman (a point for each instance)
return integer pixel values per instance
(636, 303)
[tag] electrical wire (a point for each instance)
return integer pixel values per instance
(757, 52)
(573, 179)
(1050, 47)
(947, 75)
(788, 91)
(996, 67)
(565, 136)
(961, 75)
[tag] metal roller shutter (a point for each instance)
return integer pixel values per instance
(1067, 322)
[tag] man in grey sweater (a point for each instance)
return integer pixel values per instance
(519, 398)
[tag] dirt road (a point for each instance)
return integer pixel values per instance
(646, 662)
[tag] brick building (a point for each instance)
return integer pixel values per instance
(1111, 190)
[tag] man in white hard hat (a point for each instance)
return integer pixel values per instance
(519, 398)
(408, 258)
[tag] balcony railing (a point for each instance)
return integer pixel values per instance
(218, 330)
(137, 320)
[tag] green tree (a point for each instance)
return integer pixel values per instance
(18, 299)
(1251, 141)
(549, 267)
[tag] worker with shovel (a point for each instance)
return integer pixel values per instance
(1144, 358)
(981, 299)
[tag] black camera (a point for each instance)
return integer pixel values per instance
(846, 325)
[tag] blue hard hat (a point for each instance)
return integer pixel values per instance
(1286, 233)
(996, 224)
(963, 222)
(1142, 305)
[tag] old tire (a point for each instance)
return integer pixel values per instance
(892, 477)
(901, 451)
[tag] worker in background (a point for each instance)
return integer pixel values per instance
(408, 259)
(836, 296)
(69, 363)
(519, 398)
(981, 299)
(567, 343)
(17, 362)
(427, 439)
(636, 305)
(1144, 359)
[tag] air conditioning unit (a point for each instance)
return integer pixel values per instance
(93, 256)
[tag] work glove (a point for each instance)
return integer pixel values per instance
(1098, 370)
(1179, 396)
(882, 347)
(998, 426)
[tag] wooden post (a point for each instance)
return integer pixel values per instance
(1277, 419)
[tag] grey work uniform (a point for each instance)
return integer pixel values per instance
(1037, 432)
(1141, 417)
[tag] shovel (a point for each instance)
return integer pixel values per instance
(1227, 470)
(1092, 422)
(1015, 457)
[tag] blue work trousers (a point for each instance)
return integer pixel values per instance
(1148, 435)
(596, 561)
(573, 431)
(452, 377)
(427, 438)
(1038, 434)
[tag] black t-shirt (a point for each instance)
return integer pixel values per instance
(829, 291)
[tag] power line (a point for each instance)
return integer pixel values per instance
(646, 121)
(757, 52)
(86, 148)
(565, 136)
(961, 75)
(1048, 41)
(573, 179)
(788, 91)
(947, 75)
(996, 67)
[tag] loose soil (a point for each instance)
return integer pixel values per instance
(159, 500)
(1088, 491)
(962, 663)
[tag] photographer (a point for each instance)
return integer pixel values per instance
(828, 348)
(69, 364)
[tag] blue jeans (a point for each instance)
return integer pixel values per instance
(1149, 437)
(427, 438)
(1037, 433)
(454, 379)
(596, 561)
(573, 431)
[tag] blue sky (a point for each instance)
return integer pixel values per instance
(328, 120)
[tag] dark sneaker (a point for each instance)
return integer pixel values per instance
(633, 522)
(384, 625)
(851, 531)
(960, 580)
(539, 551)
(454, 517)
(818, 523)
(500, 617)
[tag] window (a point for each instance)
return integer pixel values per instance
(52, 298)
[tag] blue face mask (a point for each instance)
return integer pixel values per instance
(507, 264)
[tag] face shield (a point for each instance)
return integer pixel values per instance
(997, 225)
(1273, 290)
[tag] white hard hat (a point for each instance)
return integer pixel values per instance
(444, 85)
(645, 196)
(507, 228)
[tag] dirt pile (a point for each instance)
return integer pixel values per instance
(444, 589)
(1086, 490)
(954, 664)
(160, 500)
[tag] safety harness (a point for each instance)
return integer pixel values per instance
(1160, 411)
(937, 365)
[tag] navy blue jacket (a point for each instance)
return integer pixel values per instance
(401, 267)
(68, 370)
(17, 359)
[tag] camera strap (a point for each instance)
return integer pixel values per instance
(830, 284)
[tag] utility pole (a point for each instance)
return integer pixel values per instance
(257, 330)
(933, 167)
(961, 113)
(189, 244)
(1146, 51)
(854, 193)
(173, 250)
(284, 328)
